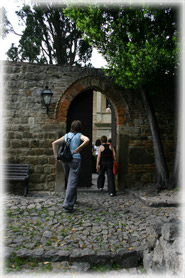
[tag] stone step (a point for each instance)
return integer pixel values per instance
(125, 258)
(152, 201)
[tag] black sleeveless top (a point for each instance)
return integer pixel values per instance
(106, 155)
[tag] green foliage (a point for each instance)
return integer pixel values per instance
(49, 37)
(9, 213)
(46, 267)
(139, 43)
(105, 268)
(16, 264)
(142, 269)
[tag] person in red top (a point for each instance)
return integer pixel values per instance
(106, 156)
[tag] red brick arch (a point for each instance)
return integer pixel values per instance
(98, 83)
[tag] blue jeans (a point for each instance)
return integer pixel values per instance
(71, 170)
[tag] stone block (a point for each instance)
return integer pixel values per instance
(11, 135)
(36, 186)
(147, 177)
(31, 152)
(130, 260)
(40, 151)
(80, 267)
(140, 156)
(152, 237)
(35, 177)
(46, 187)
(34, 144)
(30, 84)
(49, 153)
(170, 231)
(45, 144)
(39, 169)
(50, 178)
(43, 160)
(26, 134)
(158, 258)
(31, 121)
(51, 186)
(176, 245)
(147, 260)
(20, 144)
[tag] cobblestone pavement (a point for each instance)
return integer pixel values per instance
(102, 230)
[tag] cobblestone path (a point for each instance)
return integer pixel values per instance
(101, 230)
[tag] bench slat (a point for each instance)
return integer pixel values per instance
(16, 165)
(15, 168)
(17, 172)
(15, 175)
(16, 178)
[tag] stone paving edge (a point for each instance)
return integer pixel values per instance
(126, 259)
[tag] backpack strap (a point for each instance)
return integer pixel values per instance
(69, 139)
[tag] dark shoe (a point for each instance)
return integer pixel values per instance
(68, 210)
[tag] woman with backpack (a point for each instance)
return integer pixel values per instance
(71, 168)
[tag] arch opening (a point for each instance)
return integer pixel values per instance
(111, 96)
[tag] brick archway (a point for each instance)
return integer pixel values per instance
(91, 82)
(105, 86)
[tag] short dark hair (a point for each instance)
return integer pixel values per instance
(98, 142)
(104, 139)
(76, 126)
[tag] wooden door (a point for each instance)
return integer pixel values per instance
(81, 109)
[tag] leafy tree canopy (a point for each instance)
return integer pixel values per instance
(139, 43)
(49, 37)
(4, 24)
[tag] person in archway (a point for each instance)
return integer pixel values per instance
(72, 168)
(106, 156)
(96, 147)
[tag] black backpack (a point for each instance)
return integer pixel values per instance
(64, 153)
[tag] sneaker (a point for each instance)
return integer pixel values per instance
(100, 189)
(111, 194)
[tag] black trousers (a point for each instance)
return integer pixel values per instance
(106, 166)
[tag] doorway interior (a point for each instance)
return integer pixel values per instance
(97, 115)
(102, 124)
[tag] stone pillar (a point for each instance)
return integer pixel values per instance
(122, 157)
(99, 107)
(60, 178)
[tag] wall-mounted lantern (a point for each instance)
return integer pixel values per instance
(47, 94)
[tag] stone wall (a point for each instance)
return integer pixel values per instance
(141, 164)
(29, 131)
(165, 254)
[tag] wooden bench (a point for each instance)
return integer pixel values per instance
(16, 173)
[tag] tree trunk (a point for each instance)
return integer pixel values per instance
(174, 177)
(161, 166)
(176, 172)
